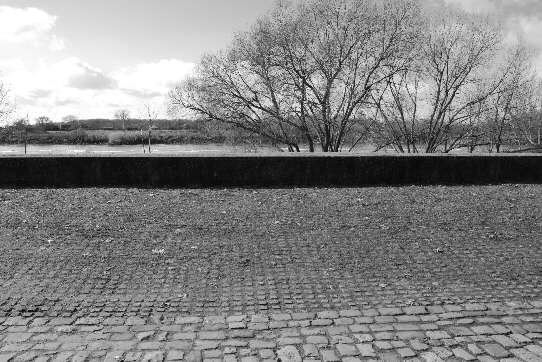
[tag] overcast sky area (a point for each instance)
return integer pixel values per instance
(90, 58)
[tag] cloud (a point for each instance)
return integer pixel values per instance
(40, 93)
(153, 78)
(86, 77)
(28, 25)
(56, 44)
(520, 7)
(65, 101)
(474, 6)
(529, 29)
(507, 8)
(521, 20)
(69, 73)
(142, 93)
(73, 86)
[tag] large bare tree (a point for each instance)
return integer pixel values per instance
(434, 103)
(429, 78)
(508, 102)
(527, 121)
(305, 73)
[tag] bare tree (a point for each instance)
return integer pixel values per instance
(527, 122)
(397, 110)
(7, 107)
(456, 56)
(21, 127)
(152, 115)
(304, 73)
(122, 115)
(435, 101)
(72, 120)
(42, 121)
(506, 102)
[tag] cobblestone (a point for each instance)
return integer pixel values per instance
(225, 255)
(238, 281)
(150, 340)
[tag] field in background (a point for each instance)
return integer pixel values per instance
(111, 137)
(174, 141)
(128, 149)
(74, 149)
(167, 136)
(137, 148)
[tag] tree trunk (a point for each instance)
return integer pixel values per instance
(25, 139)
(310, 142)
(149, 140)
(142, 139)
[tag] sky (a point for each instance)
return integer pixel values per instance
(91, 58)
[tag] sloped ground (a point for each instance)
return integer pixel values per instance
(118, 252)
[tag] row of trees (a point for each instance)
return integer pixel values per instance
(330, 74)
(121, 120)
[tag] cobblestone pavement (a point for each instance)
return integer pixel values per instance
(118, 252)
(416, 273)
(483, 332)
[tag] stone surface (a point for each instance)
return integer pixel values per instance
(100, 263)
(289, 354)
(173, 337)
(248, 283)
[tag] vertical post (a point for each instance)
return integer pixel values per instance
(151, 115)
(25, 134)
(149, 135)
(142, 139)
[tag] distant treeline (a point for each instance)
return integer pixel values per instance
(129, 132)
(115, 124)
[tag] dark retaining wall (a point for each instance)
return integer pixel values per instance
(266, 170)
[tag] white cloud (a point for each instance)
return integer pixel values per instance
(521, 20)
(28, 25)
(56, 44)
(72, 86)
(153, 78)
(530, 28)
(474, 5)
(69, 73)
(81, 75)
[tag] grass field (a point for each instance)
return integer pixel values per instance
(130, 149)
(113, 137)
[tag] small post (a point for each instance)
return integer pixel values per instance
(142, 139)
(149, 136)
(25, 133)
(151, 115)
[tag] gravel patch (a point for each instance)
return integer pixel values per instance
(137, 252)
